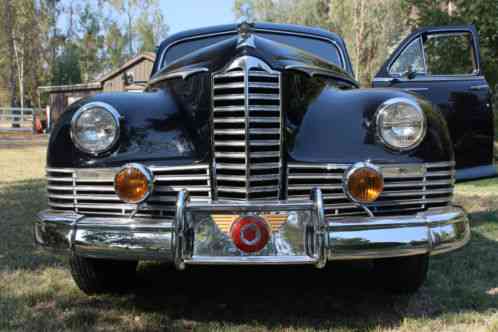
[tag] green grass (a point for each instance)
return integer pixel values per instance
(38, 294)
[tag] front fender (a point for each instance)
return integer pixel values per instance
(338, 126)
(154, 127)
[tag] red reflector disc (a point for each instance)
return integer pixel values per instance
(250, 233)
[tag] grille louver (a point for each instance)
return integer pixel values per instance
(430, 185)
(247, 131)
(91, 192)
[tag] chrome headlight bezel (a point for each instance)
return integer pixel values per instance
(77, 115)
(387, 107)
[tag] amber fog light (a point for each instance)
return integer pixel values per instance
(364, 183)
(133, 183)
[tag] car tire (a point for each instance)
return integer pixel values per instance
(402, 275)
(98, 276)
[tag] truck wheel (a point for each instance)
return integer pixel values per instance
(402, 274)
(97, 276)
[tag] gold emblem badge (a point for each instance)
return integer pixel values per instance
(224, 221)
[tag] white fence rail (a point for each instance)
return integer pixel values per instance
(17, 119)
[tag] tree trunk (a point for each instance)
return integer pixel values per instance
(359, 12)
(19, 62)
(130, 37)
(9, 29)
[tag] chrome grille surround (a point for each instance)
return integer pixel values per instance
(408, 188)
(246, 131)
(91, 191)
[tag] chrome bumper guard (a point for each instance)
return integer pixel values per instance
(193, 238)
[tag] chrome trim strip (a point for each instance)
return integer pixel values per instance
(320, 229)
(251, 260)
(313, 71)
(430, 79)
(60, 170)
(416, 89)
(183, 74)
(179, 243)
(331, 166)
(255, 206)
(390, 203)
(479, 87)
(177, 168)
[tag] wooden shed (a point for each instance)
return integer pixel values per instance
(123, 79)
(60, 96)
(130, 77)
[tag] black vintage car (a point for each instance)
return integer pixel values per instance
(254, 145)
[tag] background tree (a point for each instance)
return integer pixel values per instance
(150, 29)
(66, 68)
(361, 23)
(91, 42)
(483, 14)
(8, 19)
(114, 45)
(71, 41)
(145, 24)
(21, 32)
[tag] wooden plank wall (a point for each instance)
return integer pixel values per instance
(141, 72)
(58, 101)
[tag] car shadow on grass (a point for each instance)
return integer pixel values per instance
(343, 295)
(19, 204)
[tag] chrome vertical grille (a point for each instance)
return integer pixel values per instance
(247, 131)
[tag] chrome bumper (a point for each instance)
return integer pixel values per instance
(434, 231)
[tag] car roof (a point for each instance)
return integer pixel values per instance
(277, 27)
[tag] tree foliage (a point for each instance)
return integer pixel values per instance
(71, 41)
(483, 14)
(145, 24)
(373, 28)
(362, 24)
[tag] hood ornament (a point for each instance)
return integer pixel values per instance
(246, 25)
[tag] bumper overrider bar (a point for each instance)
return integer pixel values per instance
(306, 238)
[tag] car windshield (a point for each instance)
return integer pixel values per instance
(325, 49)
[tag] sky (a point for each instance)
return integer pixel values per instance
(182, 15)
(190, 14)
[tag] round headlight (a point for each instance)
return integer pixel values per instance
(133, 183)
(400, 123)
(95, 127)
(363, 183)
